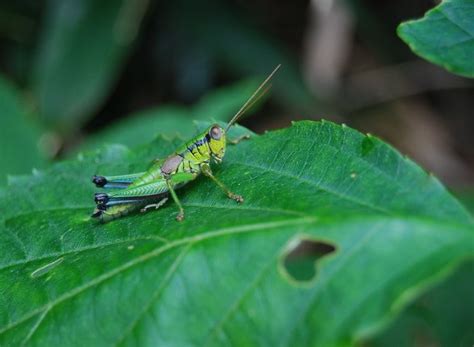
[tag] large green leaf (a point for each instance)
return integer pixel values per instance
(217, 278)
(19, 135)
(444, 36)
(83, 46)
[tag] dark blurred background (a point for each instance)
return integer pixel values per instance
(83, 72)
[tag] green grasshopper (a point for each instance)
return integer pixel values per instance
(150, 189)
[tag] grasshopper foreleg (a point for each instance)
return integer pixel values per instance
(176, 180)
(155, 206)
(180, 215)
(206, 170)
(239, 139)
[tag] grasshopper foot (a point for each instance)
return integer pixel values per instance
(97, 213)
(155, 206)
(238, 198)
(101, 199)
(180, 217)
(239, 139)
(99, 181)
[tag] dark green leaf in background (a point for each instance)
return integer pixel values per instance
(19, 136)
(82, 49)
(466, 196)
(441, 317)
(444, 36)
(230, 40)
(216, 278)
(142, 127)
(223, 103)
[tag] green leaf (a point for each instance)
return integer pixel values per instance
(444, 36)
(441, 317)
(218, 278)
(83, 46)
(466, 196)
(19, 149)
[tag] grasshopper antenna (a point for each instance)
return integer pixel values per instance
(253, 98)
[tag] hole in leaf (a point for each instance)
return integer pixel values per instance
(300, 260)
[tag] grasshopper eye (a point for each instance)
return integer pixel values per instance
(215, 132)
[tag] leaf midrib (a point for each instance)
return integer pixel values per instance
(82, 249)
(150, 237)
(159, 238)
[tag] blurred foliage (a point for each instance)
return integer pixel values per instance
(441, 317)
(231, 42)
(19, 140)
(445, 36)
(142, 127)
(82, 50)
(466, 196)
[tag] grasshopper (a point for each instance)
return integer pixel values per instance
(151, 189)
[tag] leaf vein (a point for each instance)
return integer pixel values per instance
(319, 187)
(238, 302)
(171, 271)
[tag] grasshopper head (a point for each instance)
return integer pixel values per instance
(217, 142)
(216, 134)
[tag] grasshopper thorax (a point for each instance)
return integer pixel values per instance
(216, 139)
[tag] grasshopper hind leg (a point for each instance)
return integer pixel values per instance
(107, 214)
(119, 203)
(120, 182)
(99, 181)
(108, 208)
